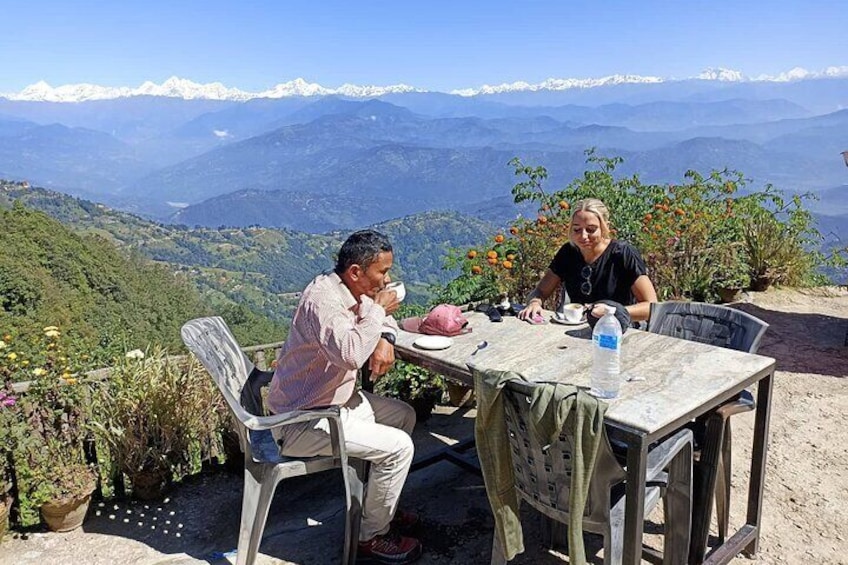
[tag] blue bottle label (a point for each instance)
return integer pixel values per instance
(608, 341)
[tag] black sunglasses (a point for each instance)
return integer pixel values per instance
(586, 285)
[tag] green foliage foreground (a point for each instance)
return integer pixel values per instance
(105, 301)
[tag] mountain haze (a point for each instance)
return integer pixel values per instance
(316, 159)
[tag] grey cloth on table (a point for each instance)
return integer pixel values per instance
(621, 314)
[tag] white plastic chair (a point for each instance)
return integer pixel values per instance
(240, 382)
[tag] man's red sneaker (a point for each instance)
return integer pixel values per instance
(389, 548)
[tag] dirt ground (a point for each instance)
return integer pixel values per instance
(805, 505)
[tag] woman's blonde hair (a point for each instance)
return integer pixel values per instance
(597, 208)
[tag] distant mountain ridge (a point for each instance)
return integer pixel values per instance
(176, 87)
(319, 162)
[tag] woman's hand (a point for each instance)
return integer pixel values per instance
(596, 310)
(533, 308)
(549, 283)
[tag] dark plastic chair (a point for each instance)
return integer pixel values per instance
(543, 479)
(733, 329)
(240, 382)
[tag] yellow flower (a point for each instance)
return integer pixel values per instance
(52, 333)
(51, 329)
(38, 372)
(12, 356)
(25, 362)
(70, 380)
(2, 345)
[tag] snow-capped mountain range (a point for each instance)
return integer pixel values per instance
(176, 87)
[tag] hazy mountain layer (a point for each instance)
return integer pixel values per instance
(322, 162)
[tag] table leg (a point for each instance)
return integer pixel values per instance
(634, 509)
(758, 460)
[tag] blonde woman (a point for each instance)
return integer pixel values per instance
(594, 266)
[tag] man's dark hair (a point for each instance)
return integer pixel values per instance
(361, 248)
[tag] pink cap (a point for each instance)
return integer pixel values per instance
(444, 319)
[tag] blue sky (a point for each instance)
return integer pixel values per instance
(439, 45)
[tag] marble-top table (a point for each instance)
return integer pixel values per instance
(672, 382)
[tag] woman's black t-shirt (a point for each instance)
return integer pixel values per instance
(610, 276)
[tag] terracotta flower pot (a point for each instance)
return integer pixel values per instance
(761, 284)
(66, 514)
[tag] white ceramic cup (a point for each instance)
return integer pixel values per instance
(399, 289)
(573, 312)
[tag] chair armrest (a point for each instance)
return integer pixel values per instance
(660, 456)
(294, 417)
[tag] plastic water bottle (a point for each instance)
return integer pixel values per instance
(606, 363)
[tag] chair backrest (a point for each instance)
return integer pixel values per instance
(543, 476)
(708, 323)
(237, 378)
(215, 347)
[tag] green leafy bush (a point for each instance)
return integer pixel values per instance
(47, 426)
(409, 382)
(158, 416)
(697, 237)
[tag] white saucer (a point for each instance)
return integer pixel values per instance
(565, 322)
(433, 342)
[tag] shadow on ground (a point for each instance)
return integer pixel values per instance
(803, 342)
(198, 522)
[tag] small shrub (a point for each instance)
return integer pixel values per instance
(159, 415)
(409, 382)
(697, 237)
(49, 424)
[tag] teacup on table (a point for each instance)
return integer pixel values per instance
(572, 313)
(399, 289)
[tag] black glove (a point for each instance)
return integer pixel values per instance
(621, 314)
(491, 311)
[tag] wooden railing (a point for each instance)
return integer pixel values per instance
(258, 351)
(102, 374)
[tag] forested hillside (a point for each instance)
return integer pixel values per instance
(109, 301)
(258, 268)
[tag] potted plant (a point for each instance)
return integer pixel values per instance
(158, 418)
(731, 273)
(418, 387)
(66, 493)
(56, 476)
(48, 427)
(10, 432)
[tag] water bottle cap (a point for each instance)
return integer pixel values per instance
(610, 311)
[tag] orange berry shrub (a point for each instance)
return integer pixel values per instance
(511, 263)
(691, 238)
(697, 237)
